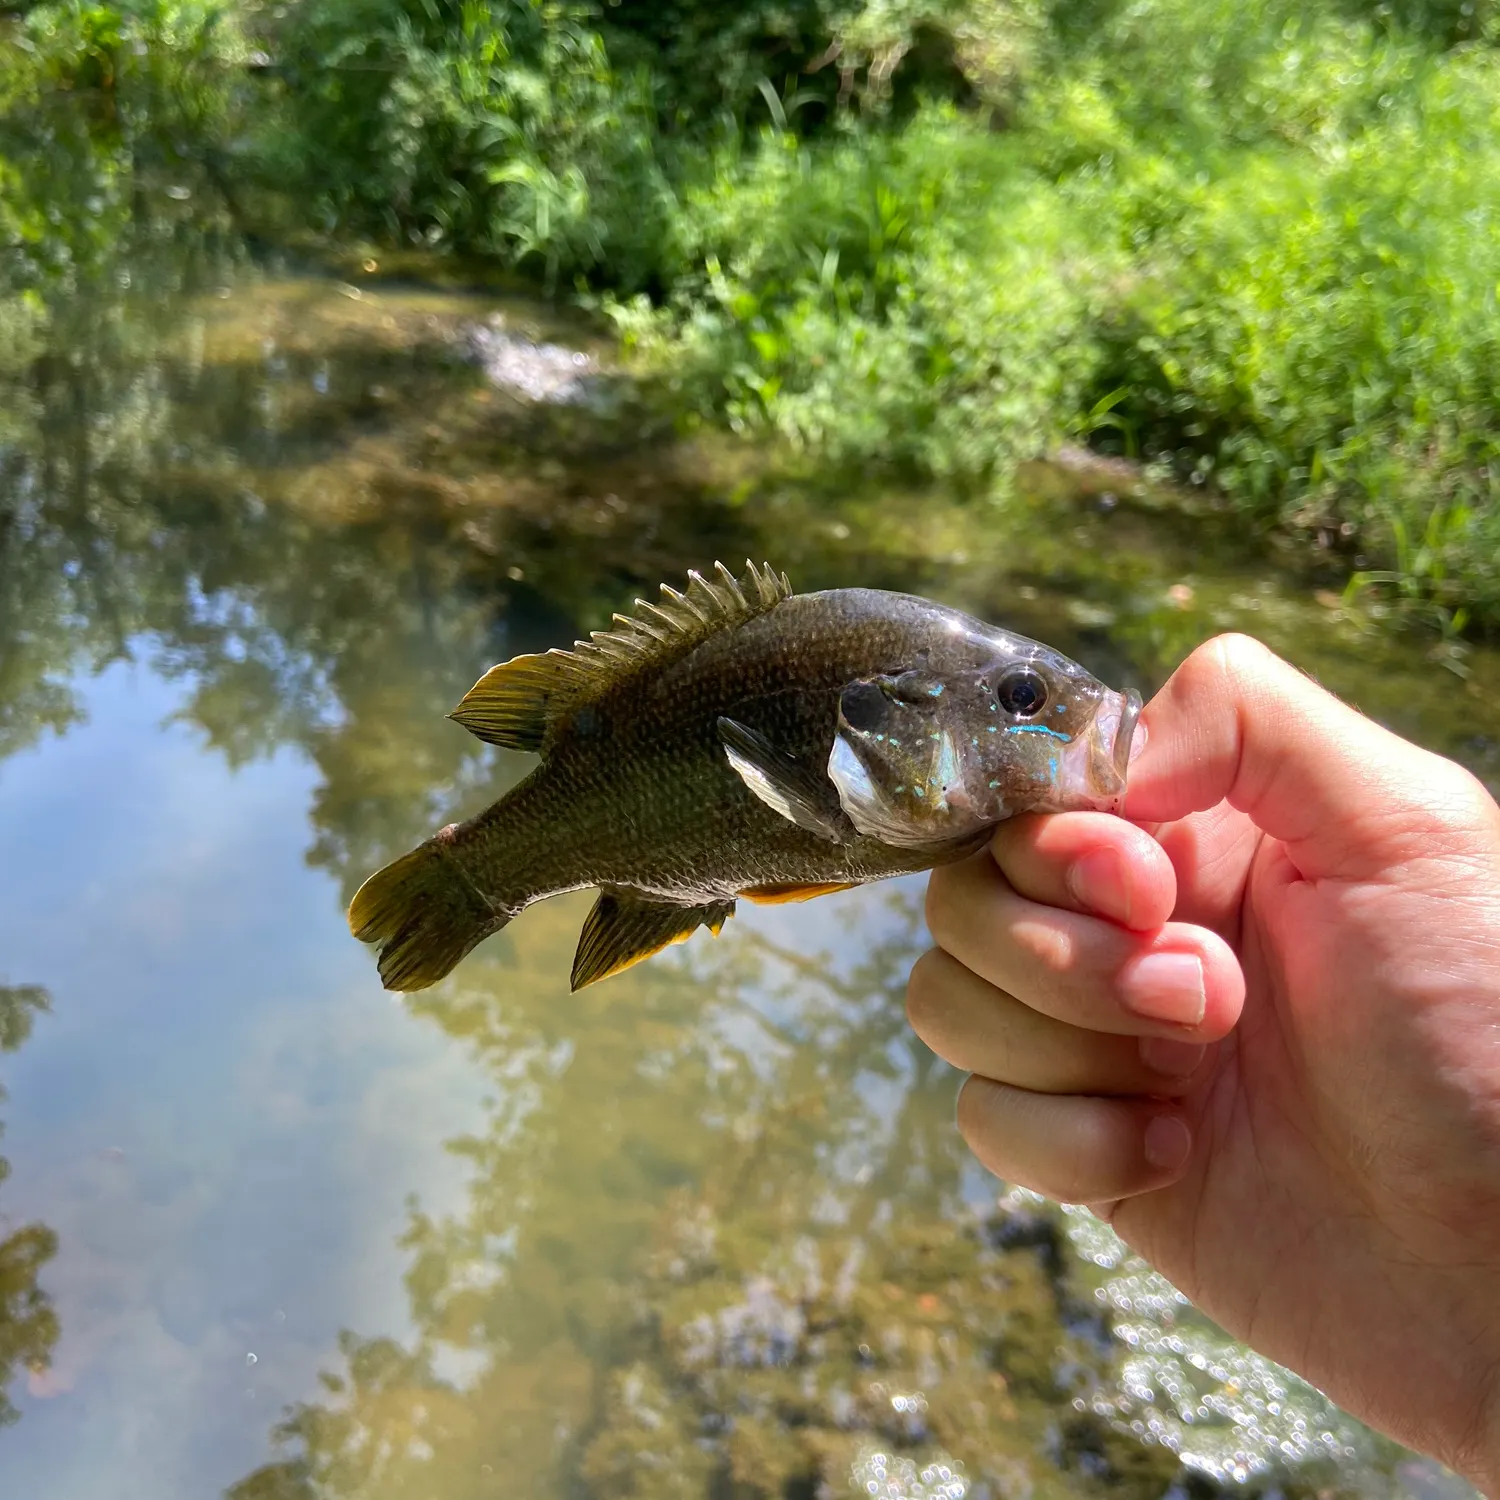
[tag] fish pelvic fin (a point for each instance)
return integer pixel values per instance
(425, 913)
(800, 794)
(622, 929)
(519, 703)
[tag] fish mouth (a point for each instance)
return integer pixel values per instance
(1095, 767)
(1127, 747)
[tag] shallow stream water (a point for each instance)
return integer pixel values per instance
(704, 1230)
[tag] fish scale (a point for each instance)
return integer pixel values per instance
(701, 750)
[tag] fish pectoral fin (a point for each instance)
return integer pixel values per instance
(775, 895)
(622, 929)
(804, 797)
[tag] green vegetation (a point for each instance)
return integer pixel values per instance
(28, 1325)
(1255, 247)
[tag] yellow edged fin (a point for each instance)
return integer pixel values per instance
(623, 929)
(425, 913)
(518, 703)
(776, 895)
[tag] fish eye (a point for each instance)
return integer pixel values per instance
(863, 706)
(1022, 694)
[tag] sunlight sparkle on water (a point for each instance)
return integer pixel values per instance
(887, 1477)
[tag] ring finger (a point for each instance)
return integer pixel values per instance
(981, 1029)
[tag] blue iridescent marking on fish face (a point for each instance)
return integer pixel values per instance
(1056, 734)
(935, 691)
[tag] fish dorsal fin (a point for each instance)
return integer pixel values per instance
(623, 928)
(517, 703)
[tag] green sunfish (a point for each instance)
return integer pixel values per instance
(742, 740)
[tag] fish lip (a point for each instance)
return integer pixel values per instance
(1124, 747)
(1096, 765)
(1113, 745)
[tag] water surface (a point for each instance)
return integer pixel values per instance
(704, 1230)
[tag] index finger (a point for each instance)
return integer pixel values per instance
(1088, 862)
(1236, 724)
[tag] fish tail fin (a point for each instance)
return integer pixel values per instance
(425, 913)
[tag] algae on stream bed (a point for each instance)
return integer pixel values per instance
(715, 1233)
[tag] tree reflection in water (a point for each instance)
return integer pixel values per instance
(28, 1324)
(716, 1243)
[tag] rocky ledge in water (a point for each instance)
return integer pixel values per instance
(539, 372)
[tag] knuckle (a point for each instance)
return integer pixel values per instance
(975, 1106)
(1460, 813)
(1075, 1163)
(1463, 798)
(1232, 658)
(925, 990)
(1066, 1181)
(938, 905)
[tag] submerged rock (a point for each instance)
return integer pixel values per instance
(537, 372)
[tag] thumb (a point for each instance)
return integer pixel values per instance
(1235, 723)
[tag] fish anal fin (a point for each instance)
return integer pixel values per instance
(776, 895)
(622, 929)
(517, 703)
(799, 794)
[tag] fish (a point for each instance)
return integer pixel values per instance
(737, 740)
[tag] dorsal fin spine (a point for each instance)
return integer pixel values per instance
(518, 703)
(731, 584)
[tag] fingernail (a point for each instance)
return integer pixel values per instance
(1165, 987)
(1098, 882)
(1168, 1142)
(1171, 1058)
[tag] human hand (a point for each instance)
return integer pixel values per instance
(1257, 1027)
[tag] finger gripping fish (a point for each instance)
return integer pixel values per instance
(741, 740)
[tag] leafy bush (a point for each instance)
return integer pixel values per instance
(912, 300)
(500, 128)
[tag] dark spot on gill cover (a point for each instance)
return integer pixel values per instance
(863, 706)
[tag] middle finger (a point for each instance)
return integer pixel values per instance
(1180, 981)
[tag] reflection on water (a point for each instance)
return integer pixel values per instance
(28, 1322)
(707, 1229)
